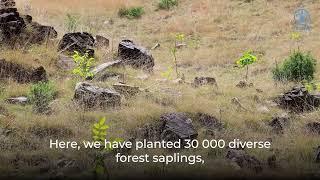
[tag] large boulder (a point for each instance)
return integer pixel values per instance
(82, 42)
(89, 96)
(135, 56)
(299, 100)
(20, 73)
(244, 160)
(177, 126)
(11, 26)
(36, 33)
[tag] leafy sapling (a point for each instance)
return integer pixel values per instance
(247, 59)
(178, 39)
(83, 65)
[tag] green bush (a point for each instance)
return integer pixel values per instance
(83, 65)
(298, 67)
(131, 13)
(167, 4)
(40, 95)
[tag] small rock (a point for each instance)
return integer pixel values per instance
(102, 42)
(202, 81)
(17, 100)
(100, 69)
(177, 126)
(299, 100)
(244, 84)
(65, 62)
(91, 96)
(135, 56)
(313, 127)
(126, 90)
(279, 123)
(244, 160)
(81, 42)
(210, 122)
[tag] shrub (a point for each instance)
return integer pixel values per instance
(131, 13)
(167, 4)
(83, 65)
(298, 67)
(40, 95)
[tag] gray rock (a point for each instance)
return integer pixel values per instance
(65, 62)
(279, 123)
(313, 127)
(244, 160)
(244, 84)
(17, 100)
(90, 96)
(126, 90)
(299, 100)
(98, 70)
(177, 126)
(202, 81)
(82, 42)
(102, 42)
(20, 73)
(135, 56)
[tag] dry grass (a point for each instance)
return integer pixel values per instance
(218, 32)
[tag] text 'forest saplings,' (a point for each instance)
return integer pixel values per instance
(169, 158)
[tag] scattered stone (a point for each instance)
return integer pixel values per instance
(90, 96)
(126, 90)
(180, 45)
(21, 74)
(177, 126)
(17, 100)
(278, 123)
(299, 100)
(103, 67)
(81, 42)
(244, 84)
(318, 155)
(65, 62)
(210, 122)
(259, 90)
(202, 81)
(102, 42)
(313, 127)
(135, 56)
(244, 160)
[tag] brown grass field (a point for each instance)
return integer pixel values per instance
(217, 33)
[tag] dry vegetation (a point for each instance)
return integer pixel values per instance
(217, 32)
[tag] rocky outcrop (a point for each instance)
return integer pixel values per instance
(21, 74)
(299, 100)
(81, 42)
(135, 56)
(177, 126)
(244, 160)
(17, 29)
(11, 24)
(89, 96)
